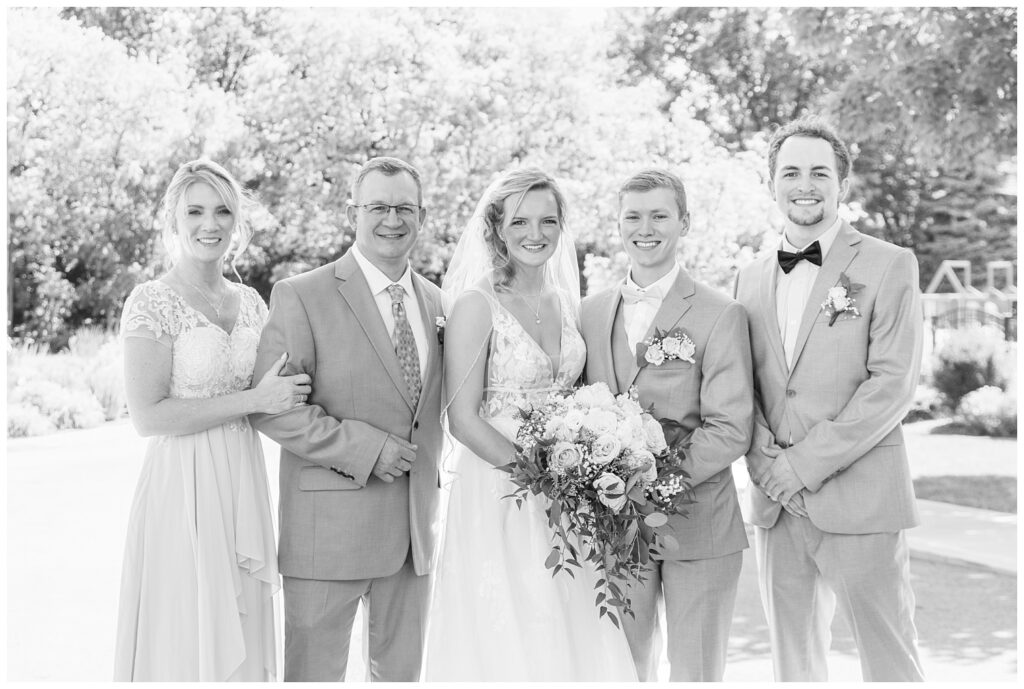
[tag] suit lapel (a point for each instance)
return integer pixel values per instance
(839, 257)
(356, 292)
(769, 308)
(607, 309)
(429, 311)
(675, 304)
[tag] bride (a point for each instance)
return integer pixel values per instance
(496, 613)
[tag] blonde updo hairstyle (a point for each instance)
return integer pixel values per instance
(514, 184)
(235, 198)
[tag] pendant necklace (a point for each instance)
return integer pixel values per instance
(536, 311)
(216, 307)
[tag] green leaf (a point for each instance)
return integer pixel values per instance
(655, 519)
(553, 557)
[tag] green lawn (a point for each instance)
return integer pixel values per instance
(988, 492)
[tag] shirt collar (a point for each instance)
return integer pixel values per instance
(659, 287)
(376, 279)
(825, 240)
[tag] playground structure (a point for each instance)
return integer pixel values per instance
(995, 306)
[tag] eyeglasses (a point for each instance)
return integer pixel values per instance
(405, 211)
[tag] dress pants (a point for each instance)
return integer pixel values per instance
(805, 572)
(699, 596)
(318, 626)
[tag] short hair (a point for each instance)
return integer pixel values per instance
(813, 127)
(389, 167)
(513, 183)
(222, 181)
(655, 178)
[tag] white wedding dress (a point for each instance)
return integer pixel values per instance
(496, 612)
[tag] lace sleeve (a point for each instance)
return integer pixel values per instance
(258, 311)
(149, 313)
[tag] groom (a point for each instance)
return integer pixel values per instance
(359, 476)
(710, 393)
(835, 326)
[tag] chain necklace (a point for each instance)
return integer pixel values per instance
(216, 307)
(536, 311)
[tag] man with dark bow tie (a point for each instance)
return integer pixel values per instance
(835, 327)
(359, 474)
(705, 385)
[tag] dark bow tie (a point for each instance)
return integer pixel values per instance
(788, 261)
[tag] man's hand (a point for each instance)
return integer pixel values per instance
(396, 458)
(795, 506)
(780, 482)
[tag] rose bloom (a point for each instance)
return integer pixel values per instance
(650, 474)
(670, 345)
(637, 460)
(654, 435)
(607, 485)
(630, 433)
(596, 395)
(687, 350)
(564, 456)
(556, 428)
(605, 449)
(628, 406)
(601, 421)
(654, 355)
(574, 420)
(837, 295)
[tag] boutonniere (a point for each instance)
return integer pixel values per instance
(841, 299)
(439, 322)
(665, 346)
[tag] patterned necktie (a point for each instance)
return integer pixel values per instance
(405, 343)
(788, 261)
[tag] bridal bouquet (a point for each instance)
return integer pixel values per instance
(608, 471)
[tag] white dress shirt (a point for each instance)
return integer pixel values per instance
(638, 317)
(794, 288)
(379, 283)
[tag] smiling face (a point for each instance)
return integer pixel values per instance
(204, 223)
(650, 227)
(532, 230)
(807, 187)
(386, 240)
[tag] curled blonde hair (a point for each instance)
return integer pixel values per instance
(514, 183)
(231, 193)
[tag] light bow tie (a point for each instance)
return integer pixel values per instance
(634, 295)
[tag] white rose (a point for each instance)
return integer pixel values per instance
(654, 355)
(574, 420)
(628, 406)
(654, 435)
(611, 491)
(650, 474)
(556, 428)
(564, 456)
(603, 397)
(584, 398)
(600, 421)
(605, 449)
(687, 350)
(670, 345)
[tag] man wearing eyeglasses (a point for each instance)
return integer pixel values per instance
(359, 475)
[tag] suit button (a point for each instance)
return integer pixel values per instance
(416, 425)
(791, 393)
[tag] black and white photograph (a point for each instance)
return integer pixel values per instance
(511, 344)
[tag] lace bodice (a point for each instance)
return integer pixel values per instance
(519, 371)
(206, 361)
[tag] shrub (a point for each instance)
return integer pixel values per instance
(24, 420)
(926, 405)
(65, 408)
(966, 361)
(104, 377)
(990, 410)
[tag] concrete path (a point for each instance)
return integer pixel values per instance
(68, 497)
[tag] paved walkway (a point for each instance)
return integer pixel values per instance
(68, 496)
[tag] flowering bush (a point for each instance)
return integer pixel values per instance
(64, 407)
(990, 410)
(24, 420)
(926, 405)
(606, 467)
(966, 361)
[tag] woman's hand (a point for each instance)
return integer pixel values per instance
(276, 393)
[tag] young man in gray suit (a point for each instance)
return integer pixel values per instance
(709, 391)
(835, 326)
(359, 476)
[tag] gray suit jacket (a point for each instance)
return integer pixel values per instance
(850, 385)
(712, 398)
(351, 526)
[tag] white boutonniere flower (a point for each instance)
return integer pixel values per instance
(840, 299)
(665, 346)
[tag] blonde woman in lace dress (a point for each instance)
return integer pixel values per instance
(513, 336)
(200, 567)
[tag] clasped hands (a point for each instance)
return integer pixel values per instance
(395, 458)
(780, 483)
